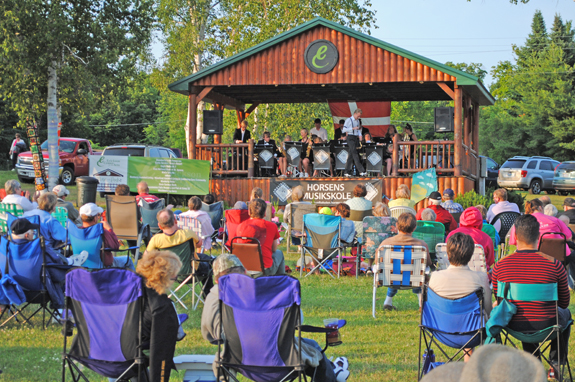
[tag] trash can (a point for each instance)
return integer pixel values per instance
(87, 189)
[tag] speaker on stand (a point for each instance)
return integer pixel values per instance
(444, 120)
(213, 122)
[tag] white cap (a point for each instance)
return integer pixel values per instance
(61, 190)
(90, 209)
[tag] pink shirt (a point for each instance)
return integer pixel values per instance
(546, 224)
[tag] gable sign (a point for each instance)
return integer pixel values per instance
(321, 56)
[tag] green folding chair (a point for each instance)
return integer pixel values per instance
(61, 214)
(536, 293)
(14, 209)
(490, 230)
(432, 233)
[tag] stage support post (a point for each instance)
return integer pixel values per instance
(458, 138)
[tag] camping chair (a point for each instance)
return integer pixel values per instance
(196, 268)
(506, 219)
(249, 251)
(259, 318)
(216, 212)
(122, 214)
(398, 210)
(456, 216)
(357, 218)
(232, 219)
(91, 240)
(535, 293)
(554, 247)
(492, 233)
(9, 208)
(61, 214)
(297, 213)
(192, 224)
(402, 267)
(375, 230)
(456, 323)
(107, 306)
(432, 233)
(26, 264)
(149, 213)
(321, 242)
(477, 262)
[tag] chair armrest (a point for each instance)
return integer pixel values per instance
(315, 329)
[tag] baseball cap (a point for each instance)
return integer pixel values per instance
(21, 226)
(225, 262)
(449, 191)
(60, 190)
(91, 209)
(569, 202)
(435, 195)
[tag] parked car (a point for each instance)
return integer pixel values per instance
(139, 150)
(564, 179)
(73, 160)
(528, 173)
(492, 172)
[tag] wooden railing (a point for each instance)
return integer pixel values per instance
(229, 159)
(409, 157)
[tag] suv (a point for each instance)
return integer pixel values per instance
(139, 150)
(528, 173)
(564, 180)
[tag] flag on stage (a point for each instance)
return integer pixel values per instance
(376, 114)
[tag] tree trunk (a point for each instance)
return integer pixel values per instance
(52, 102)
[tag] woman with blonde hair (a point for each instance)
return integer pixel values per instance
(402, 197)
(159, 270)
(381, 210)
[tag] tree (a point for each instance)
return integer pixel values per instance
(536, 41)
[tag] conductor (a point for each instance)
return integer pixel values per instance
(353, 130)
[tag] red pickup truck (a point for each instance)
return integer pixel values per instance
(74, 160)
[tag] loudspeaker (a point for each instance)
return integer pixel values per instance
(444, 120)
(213, 122)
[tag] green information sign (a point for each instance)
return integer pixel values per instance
(170, 176)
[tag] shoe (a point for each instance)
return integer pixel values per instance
(552, 375)
(13, 169)
(341, 366)
(389, 307)
(363, 174)
(347, 175)
(306, 175)
(282, 176)
(79, 259)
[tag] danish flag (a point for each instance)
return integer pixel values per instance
(376, 114)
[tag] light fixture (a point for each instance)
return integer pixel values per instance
(371, 83)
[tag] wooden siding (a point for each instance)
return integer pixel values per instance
(359, 62)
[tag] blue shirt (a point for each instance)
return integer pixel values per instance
(52, 232)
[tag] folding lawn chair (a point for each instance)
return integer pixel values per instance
(297, 213)
(249, 251)
(402, 267)
(122, 214)
(107, 306)
(493, 234)
(321, 242)
(192, 224)
(259, 318)
(456, 216)
(554, 247)
(61, 214)
(233, 218)
(149, 213)
(455, 323)
(430, 232)
(477, 262)
(26, 264)
(9, 208)
(357, 218)
(506, 221)
(216, 212)
(398, 210)
(536, 293)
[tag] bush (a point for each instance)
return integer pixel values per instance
(472, 199)
(517, 198)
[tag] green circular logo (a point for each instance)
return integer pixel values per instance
(321, 56)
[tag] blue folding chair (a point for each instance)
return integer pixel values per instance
(322, 243)
(216, 212)
(455, 323)
(259, 317)
(107, 306)
(149, 212)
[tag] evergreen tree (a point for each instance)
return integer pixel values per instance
(536, 41)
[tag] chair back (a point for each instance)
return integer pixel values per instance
(149, 212)
(249, 251)
(430, 232)
(477, 262)
(298, 211)
(401, 266)
(554, 247)
(358, 216)
(25, 263)
(233, 219)
(398, 210)
(88, 239)
(456, 216)
(322, 231)
(186, 252)
(375, 230)
(259, 317)
(453, 321)
(34, 219)
(107, 305)
(506, 219)
(216, 212)
(122, 214)
(192, 224)
(8, 208)
(492, 232)
(61, 214)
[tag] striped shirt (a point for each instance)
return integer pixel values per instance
(529, 267)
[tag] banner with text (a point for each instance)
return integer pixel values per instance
(110, 170)
(322, 191)
(170, 175)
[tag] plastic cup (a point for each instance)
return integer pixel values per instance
(333, 338)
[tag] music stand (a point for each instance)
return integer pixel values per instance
(341, 153)
(373, 157)
(265, 155)
(321, 157)
(294, 152)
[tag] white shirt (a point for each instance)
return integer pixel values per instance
(348, 126)
(20, 200)
(498, 208)
(322, 133)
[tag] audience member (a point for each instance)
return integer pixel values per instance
(471, 223)
(347, 227)
(159, 270)
(122, 190)
(402, 197)
(359, 202)
(406, 224)
(569, 210)
(143, 194)
(13, 191)
(449, 204)
(545, 199)
(501, 205)
(62, 193)
(488, 228)
(312, 356)
(258, 193)
(272, 256)
(325, 211)
(528, 266)
(428, 215)
(550, 210)
(297, 196)
(240, 206)
(381, 210)
(209, 199)
(194, 205)
(442, 215)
